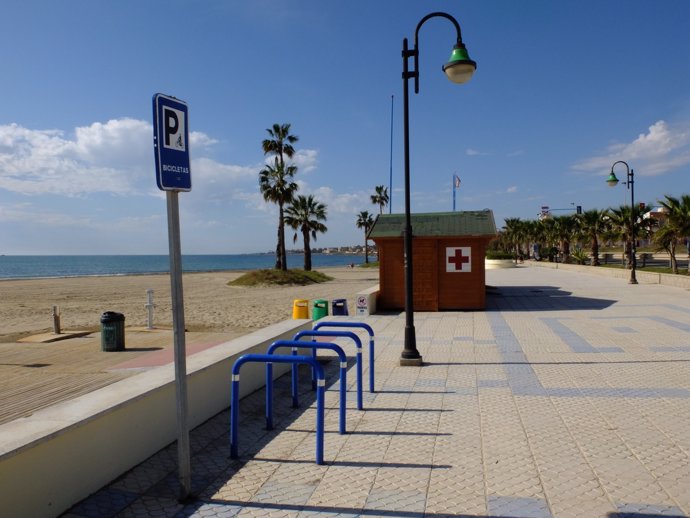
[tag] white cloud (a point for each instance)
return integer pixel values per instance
(36, 215)
(117, 143)
(306, 160)
(198, 140)
(473, 152)
(663, 148)
(36, 162)
(114, 157)
(338, 204)
(254, 200)
(344, 203)
(210, 171)
(512, 188)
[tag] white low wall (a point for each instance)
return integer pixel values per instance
(493, 264)
(365, 303)
(666, 279)
(60, 455)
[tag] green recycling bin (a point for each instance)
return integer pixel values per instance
(112, 331)
(320, 309)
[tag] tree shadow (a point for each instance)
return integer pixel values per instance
(539, 298)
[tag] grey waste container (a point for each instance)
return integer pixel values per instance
(112, 331)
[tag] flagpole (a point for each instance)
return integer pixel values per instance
(453, 193)
(390, 173)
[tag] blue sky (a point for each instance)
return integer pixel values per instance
(562, 90)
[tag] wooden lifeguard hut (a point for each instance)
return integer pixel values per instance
(448, 251)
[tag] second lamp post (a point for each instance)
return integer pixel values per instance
(459, 69)
(612, 180)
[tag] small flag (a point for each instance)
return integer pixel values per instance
(456, 181)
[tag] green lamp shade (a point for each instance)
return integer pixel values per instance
(612, 180)
(460, 67)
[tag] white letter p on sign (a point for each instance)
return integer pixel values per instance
(173, 129)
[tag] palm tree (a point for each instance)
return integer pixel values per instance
(549, 233)
(514, 234)
(620, 220)
(592, 224)
(565, 228)
(380, 198)
(280, 145)
(306, 214)
(365, 221)
(676, 227)
(276, 185)
(534, 234)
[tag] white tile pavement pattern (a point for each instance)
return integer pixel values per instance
(568, 397)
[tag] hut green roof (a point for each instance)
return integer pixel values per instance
(436, 224)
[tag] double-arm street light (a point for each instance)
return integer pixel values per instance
(459, 69)
(630, 182)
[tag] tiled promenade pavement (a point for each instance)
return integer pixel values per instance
(569, 396)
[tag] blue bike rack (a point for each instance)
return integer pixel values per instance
(341, 334)
(369, 330)
(313, 346)
(274, 358)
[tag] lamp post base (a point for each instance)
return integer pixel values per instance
(410, 356)
(411, 362)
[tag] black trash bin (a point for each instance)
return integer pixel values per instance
(340, 307)
(112, 331)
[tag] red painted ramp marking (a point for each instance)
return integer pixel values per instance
(162, 357)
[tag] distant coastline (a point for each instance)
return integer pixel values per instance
(59, 266)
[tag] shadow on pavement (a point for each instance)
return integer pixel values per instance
(539, 298)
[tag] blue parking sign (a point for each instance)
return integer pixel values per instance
(171, 143)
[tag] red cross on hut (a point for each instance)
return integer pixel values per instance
(448, 251)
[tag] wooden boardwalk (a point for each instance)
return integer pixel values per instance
(38, 375)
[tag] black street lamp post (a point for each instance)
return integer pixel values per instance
(630, 182)
(459, 69)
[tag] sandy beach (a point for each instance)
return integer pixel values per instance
(210, 304)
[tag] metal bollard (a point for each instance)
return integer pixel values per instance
(265, 358)
(149, 308)
(369, 330)
(295, 403)
(342, 334)
(56, 320)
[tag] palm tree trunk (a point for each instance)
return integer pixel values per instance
(307, 251)
(626, 255)
(366, 247)
(674, 260)
(282, 261)
(278, 256)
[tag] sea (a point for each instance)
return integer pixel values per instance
(51, 266)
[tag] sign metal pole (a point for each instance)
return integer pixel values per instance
(183, 455)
